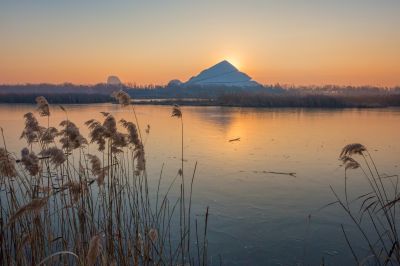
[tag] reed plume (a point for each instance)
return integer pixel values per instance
(133, 136)
(94, 250)
(32, 130)
(7, 164)
(98, 171)
(32, 207)
(122, 97)
(140, 158)
(351, 149)
(42, 106)
(176, 111)
(71, 137)
(108, 130)
(48, 135)
(110, 125)
(119, 141)
(97, 133)
(56, 155)
(30, 161)
(76, 188)
(349, 162)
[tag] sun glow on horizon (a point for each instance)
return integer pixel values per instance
(348, 43)
(234, 60)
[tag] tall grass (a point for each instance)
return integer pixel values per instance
(374, 213)
(61, 204)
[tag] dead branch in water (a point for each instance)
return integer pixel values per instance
(279, 173)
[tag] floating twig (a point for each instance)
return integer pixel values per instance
(279, 173)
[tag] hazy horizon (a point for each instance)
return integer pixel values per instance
(288, 42)
(164, 84)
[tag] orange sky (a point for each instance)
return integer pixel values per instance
(290, 42)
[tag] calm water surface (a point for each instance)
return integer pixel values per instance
(256, 218)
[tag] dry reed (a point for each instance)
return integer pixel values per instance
(30, 161)
(43, 106)
(71, 207)
(7, 164)
(94, 250)
(372, 213)
(34, 206)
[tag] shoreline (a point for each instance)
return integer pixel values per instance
(211, 103)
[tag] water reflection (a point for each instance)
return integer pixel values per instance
(256, 217)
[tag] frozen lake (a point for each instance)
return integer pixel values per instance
(256, 217)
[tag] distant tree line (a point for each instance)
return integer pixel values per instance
(264, 95)
(71, 98)
(308, 100)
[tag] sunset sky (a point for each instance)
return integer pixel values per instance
(301, 42)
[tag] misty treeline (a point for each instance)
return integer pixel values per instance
(136, 91)
(56, 98)
(259, 96)
(309, 100)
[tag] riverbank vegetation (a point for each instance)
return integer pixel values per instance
(86, 200)
(374, 213)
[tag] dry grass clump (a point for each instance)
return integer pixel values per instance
(67, 206)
